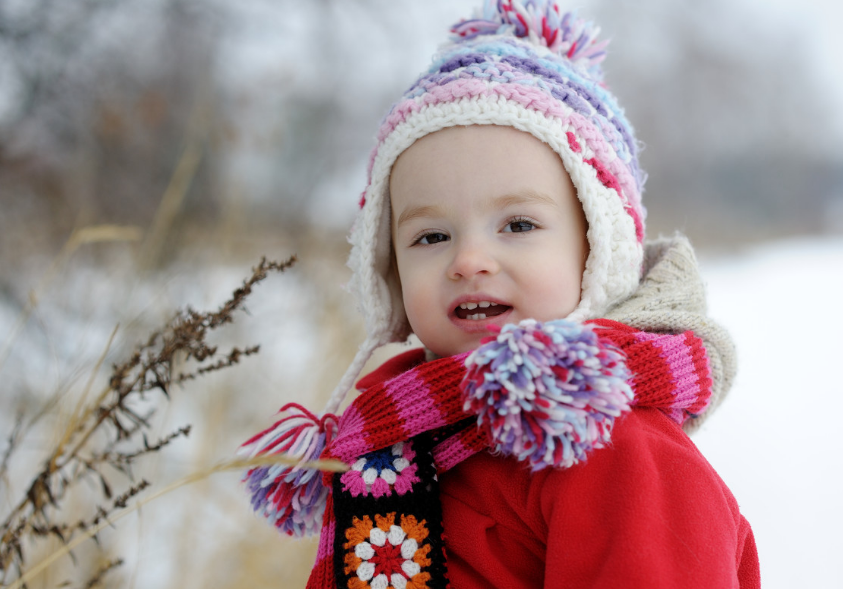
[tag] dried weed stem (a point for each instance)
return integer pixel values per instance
(107, 431)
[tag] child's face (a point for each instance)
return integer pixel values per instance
(484, 214)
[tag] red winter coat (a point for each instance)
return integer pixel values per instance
(648, 511)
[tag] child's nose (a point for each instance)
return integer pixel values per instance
(472, 259)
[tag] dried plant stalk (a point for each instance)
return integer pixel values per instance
(110, 430)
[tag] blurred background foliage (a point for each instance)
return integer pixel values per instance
(214, 132)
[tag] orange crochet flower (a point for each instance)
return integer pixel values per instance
(386, 555)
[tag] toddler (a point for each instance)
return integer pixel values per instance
(539, 437)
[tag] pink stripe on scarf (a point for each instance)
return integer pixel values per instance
(326, 548)
(350, 443)
(416, 411)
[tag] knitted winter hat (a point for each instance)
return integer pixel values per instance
(518, 63)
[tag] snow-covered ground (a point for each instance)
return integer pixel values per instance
(776, 440)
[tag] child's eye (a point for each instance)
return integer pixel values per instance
(431, 238)
(519, 226)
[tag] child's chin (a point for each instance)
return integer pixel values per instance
(465, 345)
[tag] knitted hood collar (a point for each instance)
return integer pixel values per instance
(671, 299)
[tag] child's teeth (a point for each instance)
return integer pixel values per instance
(477, 316)
(481, 304)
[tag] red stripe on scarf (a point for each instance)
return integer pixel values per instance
(652, 374)
(440, 379)
(381, 423)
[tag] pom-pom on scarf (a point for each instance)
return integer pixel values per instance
(547, 394)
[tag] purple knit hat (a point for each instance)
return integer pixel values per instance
(523, 64)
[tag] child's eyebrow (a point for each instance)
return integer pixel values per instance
(420, 211)
(521, 197)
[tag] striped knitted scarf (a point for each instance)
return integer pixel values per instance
(547, 394)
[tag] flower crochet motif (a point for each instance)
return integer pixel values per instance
(382, 471)
(384, 555)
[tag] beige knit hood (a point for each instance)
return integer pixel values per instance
(671, 299)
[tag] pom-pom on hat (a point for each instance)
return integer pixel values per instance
(522, 64)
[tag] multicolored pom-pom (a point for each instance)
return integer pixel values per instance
(547, 393)
(541, 22)
(292, 498)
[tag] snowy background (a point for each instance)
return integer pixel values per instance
(225, 131)
(775, 440)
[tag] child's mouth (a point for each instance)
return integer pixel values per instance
(480, 310)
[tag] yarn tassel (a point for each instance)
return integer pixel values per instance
(547, 393)
(543, 24)
(292, 498)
